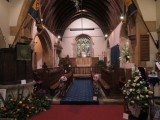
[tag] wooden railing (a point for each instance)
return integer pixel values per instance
(85, 70)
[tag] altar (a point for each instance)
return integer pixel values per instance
(87, 61)
(83, 65)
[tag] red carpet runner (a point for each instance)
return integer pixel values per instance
(82, 112)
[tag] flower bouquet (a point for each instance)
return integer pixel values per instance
(137, 91)
(23, 107)
(96, 77)
(63, 78)
(125, 54)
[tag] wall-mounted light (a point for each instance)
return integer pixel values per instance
(122, 17)
(127, 43)
(59, 37)
(106, 35)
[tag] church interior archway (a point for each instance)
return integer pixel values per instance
(43, 50)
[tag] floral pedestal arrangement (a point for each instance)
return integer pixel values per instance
(137, 92)
(136, 113)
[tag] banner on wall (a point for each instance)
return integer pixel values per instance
(115, 54)
(35, 13)
(130, 7)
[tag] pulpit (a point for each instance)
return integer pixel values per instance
(12, 71)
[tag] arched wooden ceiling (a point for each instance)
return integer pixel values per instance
(58, 14)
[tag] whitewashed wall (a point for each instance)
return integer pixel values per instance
(15, 7)
(38, 49)
(14, 11)
(9, 14)
(158, 13)
(4, 19)
(114, 37)
(97, 36)
(148, 9)
(153, 51)
(150, 12)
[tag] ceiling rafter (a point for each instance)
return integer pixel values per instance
(59, 14)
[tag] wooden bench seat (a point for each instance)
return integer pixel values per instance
(105, 87)
(55, 86)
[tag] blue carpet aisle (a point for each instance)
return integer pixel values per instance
(80, 92)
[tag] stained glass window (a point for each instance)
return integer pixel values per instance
(83, 46)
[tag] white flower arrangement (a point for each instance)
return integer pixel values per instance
(125, 54)
(63, 78)
(96, 77)
(137, 91)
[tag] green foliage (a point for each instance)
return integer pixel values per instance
(100, 64)
(64, 62)
(22, 107)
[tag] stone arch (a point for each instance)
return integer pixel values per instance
(47, 55)
(26, 23)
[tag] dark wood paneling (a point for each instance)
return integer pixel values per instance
(144, 48)
(13, 71)
(94, 60)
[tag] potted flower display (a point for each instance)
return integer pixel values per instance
(137, 92)
(23, 107)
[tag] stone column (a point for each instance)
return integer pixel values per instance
(137, 47)
(158, 33)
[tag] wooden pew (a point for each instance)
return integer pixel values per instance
(105, 86)
(124, 76)
(50, 78)
(63, 89)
